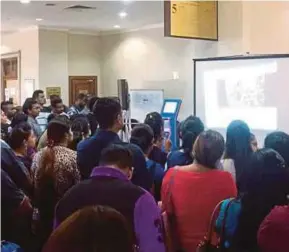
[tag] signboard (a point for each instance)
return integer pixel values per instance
(53, 91)
(192, 19)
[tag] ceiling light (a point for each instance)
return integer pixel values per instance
(116, 26)
(122, 14)
(38, 19)
(25, 1)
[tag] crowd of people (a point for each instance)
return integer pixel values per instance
(69, 183)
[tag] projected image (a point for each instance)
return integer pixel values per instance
(239, 93)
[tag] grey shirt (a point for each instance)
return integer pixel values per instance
(35, 126)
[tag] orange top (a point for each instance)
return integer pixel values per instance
(194, 196)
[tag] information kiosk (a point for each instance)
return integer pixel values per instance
(170, 112)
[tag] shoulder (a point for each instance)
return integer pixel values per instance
(86, 143)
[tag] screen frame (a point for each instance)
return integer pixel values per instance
(237, 57)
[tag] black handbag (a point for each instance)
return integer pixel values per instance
(206, 245)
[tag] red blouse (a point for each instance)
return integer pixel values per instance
(195, 195)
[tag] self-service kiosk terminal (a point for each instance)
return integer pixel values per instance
(170, 112)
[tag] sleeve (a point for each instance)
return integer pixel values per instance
(148, 224)
(75, 170)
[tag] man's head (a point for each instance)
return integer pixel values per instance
(57, 105)
(119, 157)
(81, 100)
(108, 114)
(7, 108)
(38, 95)
(31, 107)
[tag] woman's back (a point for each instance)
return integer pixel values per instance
(194, 196)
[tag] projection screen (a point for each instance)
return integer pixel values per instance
(254, 89)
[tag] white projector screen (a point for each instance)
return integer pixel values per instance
(252, 89)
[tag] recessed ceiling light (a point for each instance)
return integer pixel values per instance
(38, 19)
(25, 1)
(122, 14)
(116, 26)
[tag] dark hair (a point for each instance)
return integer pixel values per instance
(90, 104)
(238, 147)
(79, 127)
(266, 184)
(190, 128)
(36, 93)
(117, 155)
(106, 111)
(208, 148)
(279, 141)
(28, 104)
(92, 228)
(142, 135)
(81, 96)
(18, 118)
(19, 133)
(54, 101)
(156, 122)
(5, 103)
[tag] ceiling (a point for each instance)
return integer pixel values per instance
(102, 18)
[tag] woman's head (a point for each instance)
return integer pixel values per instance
(266, 184)
(143, 136)
(92, 228)
(18, 118)
(279, 141)
(155, 121)
(208, 148)
(189, 131)
(80, 130)
(58, 131)
(22, 137)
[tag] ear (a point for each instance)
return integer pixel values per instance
(129, 174)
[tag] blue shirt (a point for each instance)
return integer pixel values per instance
(89, 151)
(179, 158)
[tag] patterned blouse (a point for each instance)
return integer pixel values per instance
(65, 169)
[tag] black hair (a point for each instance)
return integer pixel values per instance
(156, 122)
(36, 93)
(238, 147)
(79, 128)
(142, 135)
(278, 141)
(117, 155)
(18, 118)
(19, 133)
(90, 104)
(106, 111)
(28, 104)
(208, 148)
(55, 100)
(266, 181)
(190, 128)
(5, 103)
(81, 96)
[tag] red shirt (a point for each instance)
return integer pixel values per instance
(274, 231)
(195, 195)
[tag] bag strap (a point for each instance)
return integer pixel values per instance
(223, 230)
(212, 220)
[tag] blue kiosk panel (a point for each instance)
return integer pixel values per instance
(170, 112)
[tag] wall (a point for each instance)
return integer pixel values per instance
(147, 59)
(27, 43)
(63, 54)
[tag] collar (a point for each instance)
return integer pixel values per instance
(32, 119)
(107, 133)
(103, 171)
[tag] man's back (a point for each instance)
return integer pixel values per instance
(89, 151)
(110, 187)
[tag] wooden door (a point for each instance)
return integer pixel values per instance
(81, 84)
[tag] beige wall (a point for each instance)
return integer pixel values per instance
(63, 54)
(27, 43)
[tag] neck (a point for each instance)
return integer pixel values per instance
(20, 152)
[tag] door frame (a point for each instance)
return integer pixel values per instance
(70, 78)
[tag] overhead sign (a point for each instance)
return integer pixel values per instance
(191, 19)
